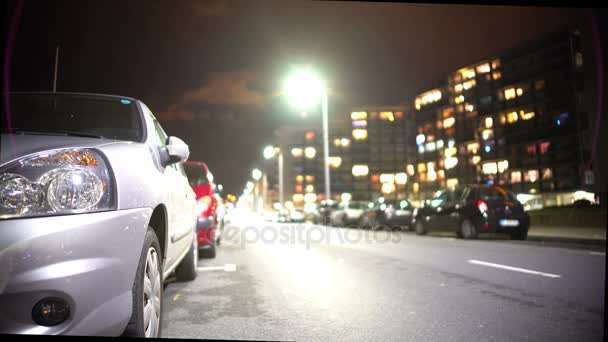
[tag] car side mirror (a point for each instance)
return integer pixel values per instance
(176, 151)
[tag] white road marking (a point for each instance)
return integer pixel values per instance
(598, 253)
(516, 269)
(225, 268)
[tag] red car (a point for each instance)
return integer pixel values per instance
(210, 220)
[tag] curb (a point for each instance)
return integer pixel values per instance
(582, 241)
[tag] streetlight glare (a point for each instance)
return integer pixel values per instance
(256, 174)
(269, 152)
(303, 88)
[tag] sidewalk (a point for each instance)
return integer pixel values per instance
(587, 235)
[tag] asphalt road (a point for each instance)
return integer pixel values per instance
(312, 283)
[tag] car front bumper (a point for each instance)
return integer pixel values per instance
(88, 260)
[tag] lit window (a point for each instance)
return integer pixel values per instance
(531, 176)
(345, 142)
(310, 188)
(487, 134)
(469, 84)
(310, 135)
(441, 174)
(375, 178)
(503, 119)
(439, 144)
(531, 149)
(388, 188)
(298, 198)
(449, 122)
(431, 176)
(526, 116)
(296, 152)
(298, 189)
(512, 117)
(360, 123)
(519, 91)
(489, 168)
(387, 178)
(358, 115)
(447, 112)
(337, 142)
(439, 124)
(502, 166)
(421, 168)
(410, 169)
(475, 160)
(469, 108)
(484, 68)
(458, 88)
(401, 178)
(310, 152)
(452, 183)
(467, 73)
(496, 75)
(427, 98)
(579, 59)
(509, 93)
(310, 198)
(472, 148)
(430, 166)
(495, 63)
(544, 147)
(360, 134)
(335, 162)
(450, 152)
(450, 162)
(310, 179)
(299, 179)
(398, 115)
(516, 177)
(360, 170)
(547, 173)
(416, 187)
(387, 116)
(459, 99)
(489, 122)
(421, 149)
(430, 146)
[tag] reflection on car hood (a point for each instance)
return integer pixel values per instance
(13, 146)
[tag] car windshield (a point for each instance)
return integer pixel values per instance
(79, 115)
(196, 174)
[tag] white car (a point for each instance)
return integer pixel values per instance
(347, 213)
(95, 212)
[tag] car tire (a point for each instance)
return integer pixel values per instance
(420, 229)
(187, 269)
(519, 234)
(150, 266)
(208, 253)
(468, 230)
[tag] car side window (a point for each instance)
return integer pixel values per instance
(160, 134)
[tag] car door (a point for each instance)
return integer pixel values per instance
(434, 219)
(451, 212)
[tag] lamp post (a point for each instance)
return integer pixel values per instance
(304, 89)
(269, 153)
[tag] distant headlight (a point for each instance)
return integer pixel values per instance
(56, 182)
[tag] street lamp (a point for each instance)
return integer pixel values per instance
(256, 174)
(269, 153)
(304, 89)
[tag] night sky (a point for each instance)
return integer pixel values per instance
(211, 70)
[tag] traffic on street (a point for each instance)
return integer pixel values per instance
(303, 170)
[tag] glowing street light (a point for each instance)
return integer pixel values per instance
(269, 152)
(256, 174)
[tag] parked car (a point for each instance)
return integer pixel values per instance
(324, 212)
(396, 215)
(347, 213)
(210, 222)
(296, 216)
(533, 204)
(474, 209)
(95, 213)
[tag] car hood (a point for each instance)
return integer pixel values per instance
(13, 146)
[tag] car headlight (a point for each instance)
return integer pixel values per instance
(65, 181)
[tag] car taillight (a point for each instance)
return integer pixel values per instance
(483, 207)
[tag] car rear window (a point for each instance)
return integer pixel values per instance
(496, 193)
(196, 175)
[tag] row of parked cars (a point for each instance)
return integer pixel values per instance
(98, 207)
(467, 210)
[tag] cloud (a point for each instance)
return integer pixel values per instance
(226, 94)
(209, 8)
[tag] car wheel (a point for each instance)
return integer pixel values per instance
(147, 291)
(420, 229)
(208, 253)
(519, 234)
(468, 230)
(186, 271)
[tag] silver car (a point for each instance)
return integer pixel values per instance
(95, 212)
